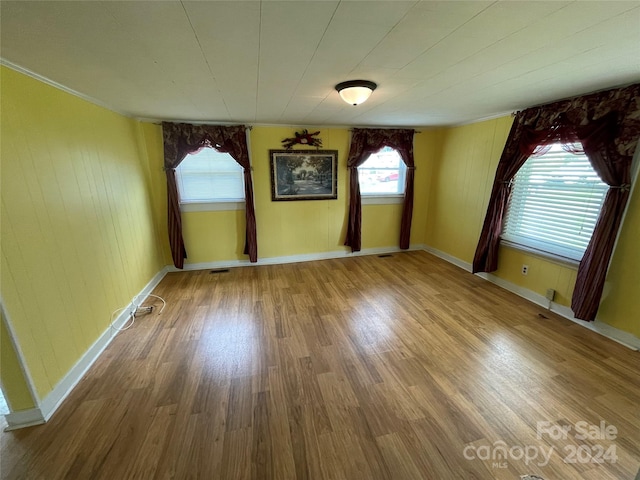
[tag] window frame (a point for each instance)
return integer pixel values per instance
(385, 198)
(557, 253)
(209, 204)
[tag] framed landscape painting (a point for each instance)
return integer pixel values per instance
(304, 174)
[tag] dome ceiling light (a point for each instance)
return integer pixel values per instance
(354, 92)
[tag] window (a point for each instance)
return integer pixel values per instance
(382, 174)
(209, 177)
(554, 205)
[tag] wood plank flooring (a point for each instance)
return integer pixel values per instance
(403, 367)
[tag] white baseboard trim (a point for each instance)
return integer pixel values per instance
(52, 401)
(21, 359)
(307, 257)
(24, 418)
(449, 258)
(620, 336)
(47, 407)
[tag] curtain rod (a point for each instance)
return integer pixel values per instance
(385, 128)
(249, 127)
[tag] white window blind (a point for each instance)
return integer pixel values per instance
(383, 173)
(554, 205)
(210, 176)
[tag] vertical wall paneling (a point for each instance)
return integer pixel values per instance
(78, 237)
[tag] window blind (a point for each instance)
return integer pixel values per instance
(210, 176)
(555, 202)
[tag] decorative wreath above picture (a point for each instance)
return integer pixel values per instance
(303, 138)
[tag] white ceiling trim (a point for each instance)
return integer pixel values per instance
(158, 121)
(59, 86)
(483, 119)
(437, 63)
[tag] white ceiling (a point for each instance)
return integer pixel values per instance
(277, 62)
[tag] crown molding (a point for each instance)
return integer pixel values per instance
(156, 120)
(59, 86)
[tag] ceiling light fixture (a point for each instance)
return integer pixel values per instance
(354, 92)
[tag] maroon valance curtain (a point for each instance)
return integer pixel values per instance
(364, 142)
(181, 139)
(608, 126)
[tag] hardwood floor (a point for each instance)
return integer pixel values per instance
(403, 367)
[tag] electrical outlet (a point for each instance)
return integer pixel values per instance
(525, 269)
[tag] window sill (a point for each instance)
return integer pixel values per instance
(551, 257)
(212, 206)
(382, 199)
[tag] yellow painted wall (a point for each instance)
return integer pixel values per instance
(14, 385)
(542, 274)
(461, 185)
(78, 237)
(620, 305)
(294, 227)
(153, 150)
(83, 216)
(460, 192)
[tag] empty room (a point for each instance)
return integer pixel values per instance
(320, 240)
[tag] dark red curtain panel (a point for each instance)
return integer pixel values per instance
(608, 126)
(181, 139)
(364, 142)
(513, 157)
